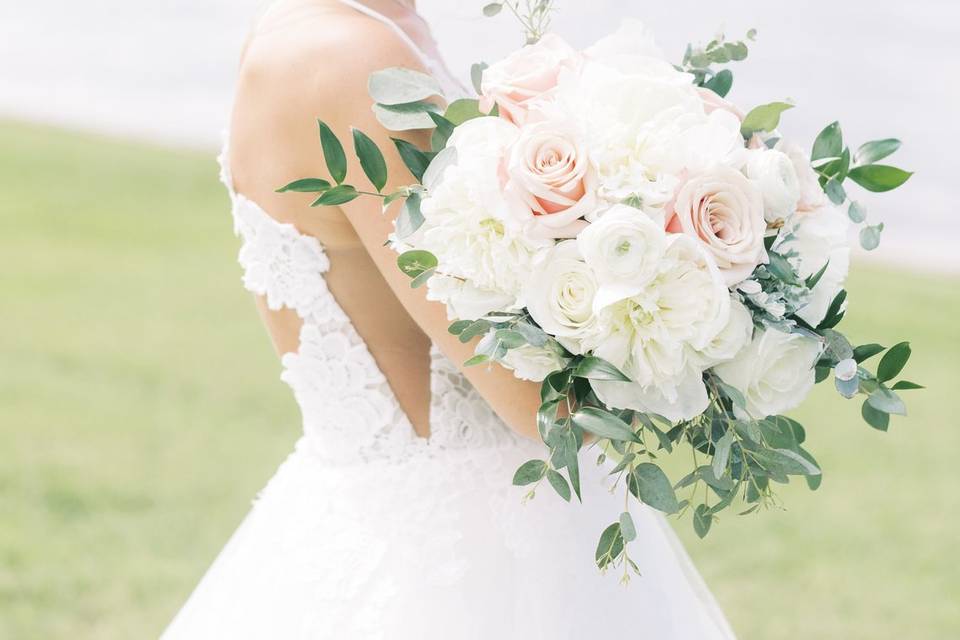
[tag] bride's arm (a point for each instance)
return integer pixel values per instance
(328, 80)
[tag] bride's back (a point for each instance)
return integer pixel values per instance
(299, 56)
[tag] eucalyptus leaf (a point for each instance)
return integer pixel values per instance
(398, 85)
(421, 279)
(492, 9)
(856, 212)
(870, 236)
(721, 83)
(333, 154)
(610, 545)
(529, 472)
(476, 75)
(410, 219)
(721, 453)
(873, 417)
(887, 401)
(654, 488)
(835, 191)
(627, 527)
(415, 262)
(702, 519)
(405, 117)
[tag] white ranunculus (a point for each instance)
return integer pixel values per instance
(724, 211)
(821, 236)
(776, 176)
(623, 247)
(655, 335)
(560, 295)
(732, 338)
(811, 193)
(533, 363)
(775, 372)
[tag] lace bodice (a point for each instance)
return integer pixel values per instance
(349, 411)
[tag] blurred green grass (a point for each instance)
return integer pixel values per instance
(140, 411)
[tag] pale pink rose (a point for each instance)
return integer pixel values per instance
(712, 102)
(526, 75)
(550, 179)
(724, 210)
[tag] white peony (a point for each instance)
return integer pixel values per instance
(534, 363)
(775, 175)
(818, 237)
(560, 295)
(654, 335)
(774, 373)
(468, 227)
(626, 48)
(464, 301)
(624, 248)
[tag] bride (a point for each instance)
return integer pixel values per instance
(395, 518)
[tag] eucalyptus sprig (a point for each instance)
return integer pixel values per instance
(699, 60)
(534, 15)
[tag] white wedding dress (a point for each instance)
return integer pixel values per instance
(367, 532)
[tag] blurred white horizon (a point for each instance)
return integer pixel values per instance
(163, 71)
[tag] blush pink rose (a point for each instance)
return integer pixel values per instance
(526, 75)
(549, 176)
(723, 209)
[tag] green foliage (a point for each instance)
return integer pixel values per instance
(415, 160)
(340, 194)
(333, 153)
(398, 85)
(766, 117)
(306, 185)
(699, 61)
(416, 261)
(371, 159)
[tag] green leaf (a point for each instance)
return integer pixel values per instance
(766, 117)
(785, 461)
(594, 368)
(737, 51)
(829, 143)
(875, 150)
(415, 262)
(879, 177)
(559, 484)
(604, 424)
(627, 527)
(476, 75)
(480, 358)
(306, 185)
(870, 236)
(398, 85)
(893, 361)
(442, 133)
(404, 117)
(866, 351)
(492, 9)
(456, 328)
(887, 401)
(876, 419)
(340, 194)
(702, 519)
(529, 472)
(410, 218)
(906, 385)
(835, 191)
(654, 488)
(421, 279)
(462, 110)
(834, 312)
(721, 83)
(812, 281)
(856, 212)
(610, 545)
(371, 159)
(534, 335)
(721, 453)
(414, 159)
(511, 339)
(333, 153)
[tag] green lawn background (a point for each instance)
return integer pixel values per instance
(140, 411)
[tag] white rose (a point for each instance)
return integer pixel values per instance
(534, 363)
(774, 373)
(724, 211)
(654, 336)
(623, 247)
(560, 295)
(811, 193)
(732, 338)
(551, 178)
(820, 237)
(776, 176)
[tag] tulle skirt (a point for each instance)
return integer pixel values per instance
(440, 546)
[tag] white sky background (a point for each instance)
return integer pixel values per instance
(163, 70)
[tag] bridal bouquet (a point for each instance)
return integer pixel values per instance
(667, 264)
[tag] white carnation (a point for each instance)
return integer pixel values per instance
(775, 372)
(775, 175)
(819, 237)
